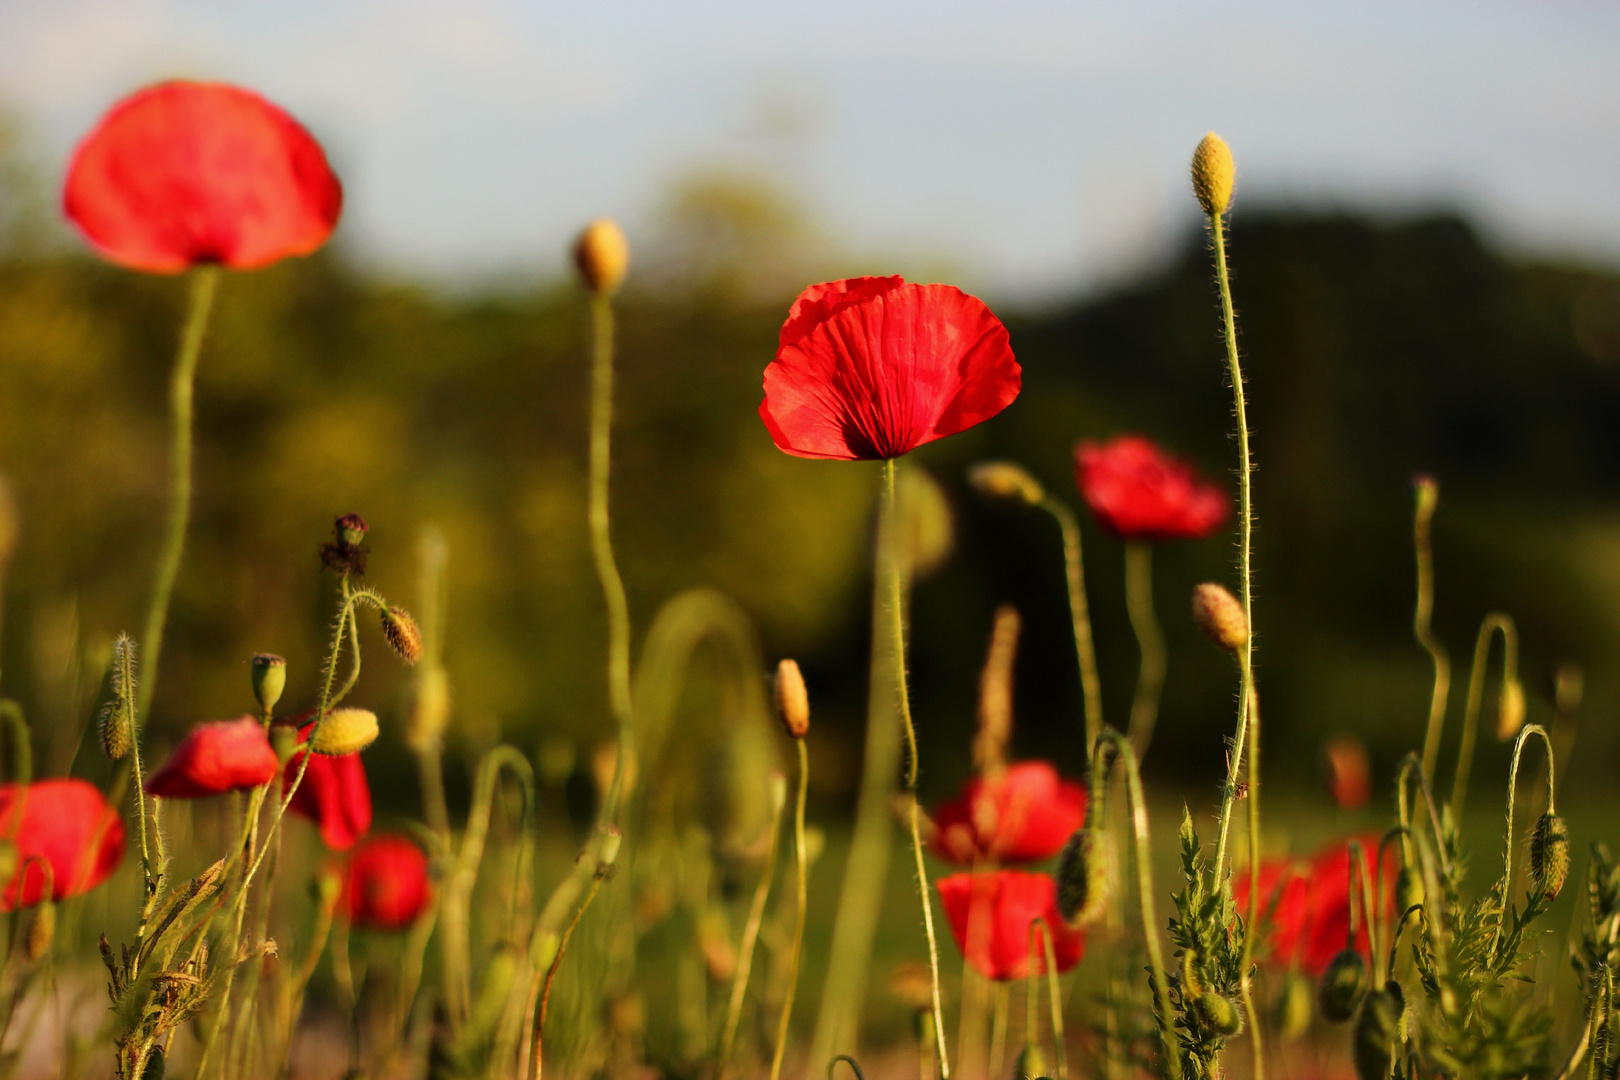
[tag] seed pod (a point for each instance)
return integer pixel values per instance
(1409, 892)
(1005, 481)
(113, 726)
(792, 699)
(345, 731)
(1218, 1013)
(1342, 986)
(352, 528)
(1084, 878)
(402, 633)
(269, 673)
(1296, 1007)
(1549, 854)
(602, 256)
(1213, 174)
(1510, 710)
(1375, 1032)
(1031, 1063)
(1220, 616)
(41, 932)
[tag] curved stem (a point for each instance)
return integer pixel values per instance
(1411, 766)
(756, 918)
(802, 860)
(1428, 494)
(1149, 642)
(1084, 648)
(1496, 621)
(1513, 783)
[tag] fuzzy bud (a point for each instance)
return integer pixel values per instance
(345, 731)
(1031, 1063)
(792, 699)
(1510, 709)
(1375, 1033)
(1213, 174)
(602, 256)
(1409, 891)
(113, 726)
(1218, 1013)
(41, 932)
(1083, 878)
(402, 633)
(1295, 1007)
(1343, 984)
(269, 673)
(1549, 854)
(1220, 616)
(1005, 482)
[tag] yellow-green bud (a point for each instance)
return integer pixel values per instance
(1005, 481)
(1375, 1032)
(1220, 616)
(113, 727)
(1343, 984)
(1084, 878)
(345, 731)
(1213, 174)
(602, 256)
(41, 932)
(1409, 891)
(1510, 709)
(269, 679)
(1549, 854)
(402, 633)
(1031, 1063)
(792, 699)
(1218, 1013)
(1295, 1007)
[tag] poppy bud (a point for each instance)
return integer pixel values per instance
(1549, 854)
(1220, 616)
(1510, 709)
(1031, 1063)
(1213, 174)
(41, 932)
(1376, 1029)
(1342, 986)
(345, 731)
(1003, 480)
(1083, 878)
(1218, 1013)
(430, 710)
(1409, 891)
(602, 256)
(792, 699)
(1295, 1008)
(402, 633)
(113, 726)
(269, 679)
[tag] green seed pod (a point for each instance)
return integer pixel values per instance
(41, 932)
(1409, 891)
(1295, 1007)
(113, 726)
(1549, 854)
(1218, 1013)
(1343, 984)
(1084, 878)
(1031, 1063)
(269, 673)
(1375, 1033)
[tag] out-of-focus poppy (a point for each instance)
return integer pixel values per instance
(334, 794)
(1349, 774)
(67, 824)
(386, 886)
(1022, 814)
(1007, 902)
(1138, 492)
(1309, 903)
(213, 758)
(183, 173)
(874, 367)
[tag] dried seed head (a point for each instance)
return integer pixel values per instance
(345, 553)
(1374, 1037)
(1409, 891)
(1084, 878)
(352, 529)
(602, 256)
(41, 932)
(1549, 854)
(430, 710)
(1003, 480)
(792, 699)
(1213, 174)
(402, 633)
(113, 726)
(1342, 986)
(269, 673)
(1218, 1013)
(1510, 709)
(1220, 616)
(345, 731)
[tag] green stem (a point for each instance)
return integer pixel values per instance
(1495, 622)
(1513, 783)
(1246, 981)
(1150, 642)
(756, 918)
(1055, 999)
(1079, 612)
(1423, 621)
(181, 381)
(802, 860)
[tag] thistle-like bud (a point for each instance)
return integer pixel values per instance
(1031, 1063)
(1343, 983)
(41, 932)
(1005, 481)
(1295, 1007)
(1213, 174)
(1218, 1013)
(1084, 878)
(792, 699)
(1220, 616)
(1510, 709)
(269, 673)
(602, 256)
(1375, 1032)
(113, 726)
(1409, 891)
(1549, 854)
(345, 731)
(402, 633)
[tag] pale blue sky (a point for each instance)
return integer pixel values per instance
(1041, 147)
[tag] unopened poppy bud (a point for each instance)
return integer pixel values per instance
(1376, 1028)
(1342, 986)
(1218, 1013)
(1220, 616)
(1295, 1007)
(41, 932)
(1409, 891)
(1213, 174)
(1549, 854)
(402, 633)
(792, 699)
(113, 727)
(345, 731)
(1510, 709)
(1083, 878)
(602, 256)
(430, 711)
(269, 673)
(1031, 1063)
(1006, 481)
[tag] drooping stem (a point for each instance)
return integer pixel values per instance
(801, 860)
(756, 918)
(892, 572)
(182, 378)
(1495, 622)
(1428, 494)
(1149, 641)
(1079, 611)
(1513, 784)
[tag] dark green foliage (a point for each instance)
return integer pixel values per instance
(1208, 937)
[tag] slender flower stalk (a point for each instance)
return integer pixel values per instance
(1054, 998)
(1079, 612)
(801, 899)
(1150, 642)
(756, 918)
(1507, 844)
(1428, 494)
(1512, 700)
(1252, 916)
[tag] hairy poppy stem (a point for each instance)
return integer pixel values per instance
(1495, 622)
(801, 859)
(1149, 641)
(204, 281)
(745, 953)
(1252, 923)
(1513, 783)
(1080, 614)
(891, 559)
(1428, 494)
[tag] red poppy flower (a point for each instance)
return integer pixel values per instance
(1007, 901)
(1348, 773)
(226, 755)
(183, 173)
(67, 823)
(1138, 492)
(1023, 815)
(873, 367)
(334, 794)
(1312, 903)
(387, 883)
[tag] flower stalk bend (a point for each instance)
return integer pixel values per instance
(1084, 647)
(1513, 783)
(1428, 495)
(1512, 699)
(750, 938)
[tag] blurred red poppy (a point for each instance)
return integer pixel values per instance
(225, 755)
(1311, 916)
(334, 794)
(67, 823)
(874, 367)
(1013, 899)
(386, 886)
(1024, 814)
(184, 173)
(1138, 492)
(1349, 774)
